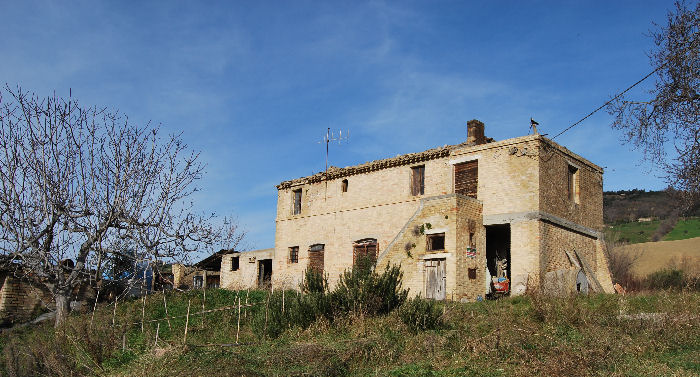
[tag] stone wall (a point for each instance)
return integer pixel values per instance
(521, 182)
(19, 300)
(246, 276)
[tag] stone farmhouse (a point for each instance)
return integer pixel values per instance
(454, 218)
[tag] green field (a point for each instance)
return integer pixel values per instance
(520, 336)
(638, 232)
(689, 228)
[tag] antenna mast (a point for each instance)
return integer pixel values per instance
(330, 136)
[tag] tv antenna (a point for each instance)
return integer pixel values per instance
(327, 139)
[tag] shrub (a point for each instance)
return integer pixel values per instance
(666, 279)
(420, 314)
(314, 282)
(365, 292)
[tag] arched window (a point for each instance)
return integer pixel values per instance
(344, 185)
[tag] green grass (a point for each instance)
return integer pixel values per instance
(638, 232)
(635, 232)
(684, 229)
(514, 336)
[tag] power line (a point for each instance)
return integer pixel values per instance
(690, 46)
(607, 103)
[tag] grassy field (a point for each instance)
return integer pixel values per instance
(639, 232)
(654, 256)
(688, 228)
(521, 336)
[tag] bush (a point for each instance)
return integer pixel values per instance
(674, 279)
(365, 292)
(420, 314)
(360, 291)
(314, 282)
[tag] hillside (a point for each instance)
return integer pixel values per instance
(630, 205)
(604, 335)
(653, 256)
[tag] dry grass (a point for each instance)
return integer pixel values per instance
(520, 336)
(655, 256)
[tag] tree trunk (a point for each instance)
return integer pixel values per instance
(62, 307)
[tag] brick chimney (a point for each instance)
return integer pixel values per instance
(475, 132)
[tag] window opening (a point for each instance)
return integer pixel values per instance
(294, 254)
(573, 183)
(467, 178)
(344, 185)
(417, 180)
(364, 253)
(235, 263)
(297, 202)
(436, 241)
(197, 281)
(316, 255)
(472, 273)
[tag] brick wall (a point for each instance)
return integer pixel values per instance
(19, 300)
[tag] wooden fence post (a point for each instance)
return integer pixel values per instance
(187, 321)
(143, 311)
(114, 313)
(204, 301)
(238, 329)
(157, 331)
(165, 303)
(246, 302)
(94, 308)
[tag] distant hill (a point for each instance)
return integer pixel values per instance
(631, 205)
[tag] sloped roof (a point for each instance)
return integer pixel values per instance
(406, 159)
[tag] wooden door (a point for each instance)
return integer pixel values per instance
(467, 178)
(435, 279)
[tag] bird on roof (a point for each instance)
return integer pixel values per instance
(533, 125)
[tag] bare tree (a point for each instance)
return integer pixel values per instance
(76, 182)
(670, 113)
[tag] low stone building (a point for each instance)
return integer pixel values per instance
(227, 269)
(453, 217)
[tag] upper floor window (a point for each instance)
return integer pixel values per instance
(235, 263)
(573, 189)
(417, 180)
(344, 185)
(297, 202)
(467, 178)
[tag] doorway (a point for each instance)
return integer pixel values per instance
(498, 259)
(435, 279)
(264, 273)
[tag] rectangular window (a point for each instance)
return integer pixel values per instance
(294, 254)
(364, 253)
(573, 184)
(297, 202)
(435, 241)
(472, 273)
(316, 255)
(235, 264)
(467, 178)
(197, 282)
(417, 180)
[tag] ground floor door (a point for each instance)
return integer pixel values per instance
(435, 279)
(264, 273)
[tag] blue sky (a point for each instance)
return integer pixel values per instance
(254, 85)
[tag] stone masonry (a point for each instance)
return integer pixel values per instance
(538, 200)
